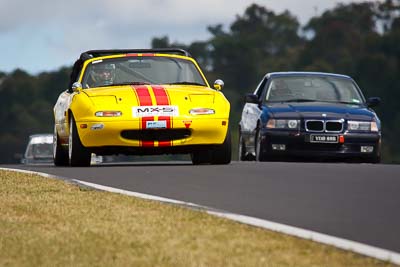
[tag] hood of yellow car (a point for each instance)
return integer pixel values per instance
(152, 95)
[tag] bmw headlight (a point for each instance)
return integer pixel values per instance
(363, 126)
(283, 124)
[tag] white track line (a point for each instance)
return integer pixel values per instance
(360, 248)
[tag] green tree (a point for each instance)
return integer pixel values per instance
(339, 38)
(358, 39)
(26, 104)
(259, 41)
(361, 40)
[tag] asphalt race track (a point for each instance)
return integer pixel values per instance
(359, 202)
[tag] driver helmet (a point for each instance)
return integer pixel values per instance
(103, 73)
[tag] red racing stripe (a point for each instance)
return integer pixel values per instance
(162, 99)
(144, 99)
(160, 94)
(164, 143)
(143, 95)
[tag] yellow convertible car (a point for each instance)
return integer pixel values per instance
(140, 102)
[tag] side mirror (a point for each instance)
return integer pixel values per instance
(218, 85)
(253, 99)
(373, 101)
(76, 86)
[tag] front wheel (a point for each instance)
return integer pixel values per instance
(221, 154)
(375, 159)
(60, 155)
(241, 148)
(260, 156)
(202, 156)
(78, 154)
(243, 155)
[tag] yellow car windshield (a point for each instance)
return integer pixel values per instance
(141, 70)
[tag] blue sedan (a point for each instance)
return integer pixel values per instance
(309, 115)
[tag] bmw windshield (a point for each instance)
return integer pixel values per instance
(141, 70)
(313, 89)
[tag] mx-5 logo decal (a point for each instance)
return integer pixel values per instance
(147, 111)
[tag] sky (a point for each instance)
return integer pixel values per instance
(44, 35)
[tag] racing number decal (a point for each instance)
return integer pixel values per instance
(144, 97)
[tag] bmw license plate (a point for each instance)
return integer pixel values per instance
(315, 138)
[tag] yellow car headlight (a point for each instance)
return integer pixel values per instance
(202, 111)
(108, 113)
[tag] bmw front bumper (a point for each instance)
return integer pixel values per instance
(299, 144)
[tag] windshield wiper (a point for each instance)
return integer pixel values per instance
(344, 102)
(349, 103)
(316, 100)
(300, 100)
(188, 83)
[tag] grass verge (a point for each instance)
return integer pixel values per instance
(47, 222)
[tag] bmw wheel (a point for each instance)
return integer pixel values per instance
(241, 149)
(78, 154)
(60, 155)
(260, 156)
(375, 159)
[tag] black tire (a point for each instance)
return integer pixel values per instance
(60, 154)
(79, 156)
(241, 149)
(219, 155)
(202, 156)
(243, 155)
(375, 159)
(222, 154)
(258, 147)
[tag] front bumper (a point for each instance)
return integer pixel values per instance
(182, 132)
(298, 144)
